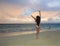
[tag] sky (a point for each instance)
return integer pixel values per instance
(20, 11)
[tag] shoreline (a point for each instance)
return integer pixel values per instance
(10, 34)
(46, 38)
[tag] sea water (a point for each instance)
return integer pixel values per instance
(27, 27)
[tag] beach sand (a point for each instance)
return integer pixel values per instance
(46, 38)
(18, 33)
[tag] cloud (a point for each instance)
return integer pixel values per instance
(44, 5)
(53, 4)
(28, 11)
(11, 10)
(9, 13)
(54, 19)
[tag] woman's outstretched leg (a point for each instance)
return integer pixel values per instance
(37, 32)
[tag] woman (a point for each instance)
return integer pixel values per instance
(38, 21)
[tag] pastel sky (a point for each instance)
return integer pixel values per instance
(20, 11)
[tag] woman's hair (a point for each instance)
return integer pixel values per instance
(37, 20)
(37, 17)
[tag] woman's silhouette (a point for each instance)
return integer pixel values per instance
(38, 21)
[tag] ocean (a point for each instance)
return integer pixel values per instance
(27, 27)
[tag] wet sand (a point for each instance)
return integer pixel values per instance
(17, 33)
(46, 38)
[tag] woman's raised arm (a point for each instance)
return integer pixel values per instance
(39, 13)
(33, 17)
